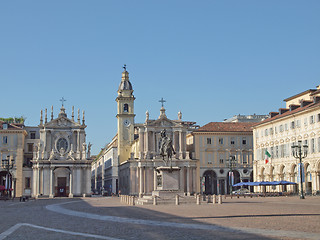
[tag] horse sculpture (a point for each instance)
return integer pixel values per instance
(166, 148)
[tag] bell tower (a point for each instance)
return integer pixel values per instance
(125, 116)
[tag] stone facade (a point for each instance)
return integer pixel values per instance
(139, 150)
(298, 121)
(61, 160)
(214, 144)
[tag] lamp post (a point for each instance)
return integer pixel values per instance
(298, 153)
(231, 163)
(7, 166)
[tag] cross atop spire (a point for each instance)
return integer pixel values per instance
(162, 101)
(62, 100)
(125, 67)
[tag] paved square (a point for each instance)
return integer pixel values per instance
(107, 218)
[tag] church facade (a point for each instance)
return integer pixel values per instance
(61, 161)
(139, 150)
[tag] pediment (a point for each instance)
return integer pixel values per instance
(62, 122)
(164, 122)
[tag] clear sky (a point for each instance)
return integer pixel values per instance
(209, 59)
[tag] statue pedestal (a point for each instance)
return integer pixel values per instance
(167, 184)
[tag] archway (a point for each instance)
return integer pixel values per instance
(308, 178)
(210, 182)
(236, 179)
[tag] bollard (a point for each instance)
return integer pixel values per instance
(208, 198)
(133, 200)
(214, 199)
(155, 200)
(177, 199)
(198, 199)
(219, 199)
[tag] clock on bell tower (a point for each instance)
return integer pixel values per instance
(125, 116)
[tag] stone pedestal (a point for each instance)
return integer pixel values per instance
(167, 182)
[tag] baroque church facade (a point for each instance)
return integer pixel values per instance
(61, 160)
(139, 147)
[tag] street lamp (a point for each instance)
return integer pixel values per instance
(7, 166)
(298, 153)
(231, 164)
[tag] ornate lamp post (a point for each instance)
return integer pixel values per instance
(7, 166)
(231, 163)
(298, 153)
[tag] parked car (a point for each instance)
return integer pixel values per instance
(241, 191)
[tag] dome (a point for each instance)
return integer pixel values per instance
(125, 85)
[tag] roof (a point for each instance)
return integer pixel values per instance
(226, 127)
(299, 94)
(12, 126)
(288, 113)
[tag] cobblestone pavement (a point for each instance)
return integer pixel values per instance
(107, 218)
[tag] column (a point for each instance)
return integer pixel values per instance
(146, 135)
(188, 181)
(88, 182)
(51, 183)
(141, 139)
(154, 179)
(141, 182)
(180, 145)
(34, 182)
(70, 184)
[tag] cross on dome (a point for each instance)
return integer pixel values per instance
(62, 100)
(162, 101)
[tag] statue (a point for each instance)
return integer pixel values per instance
(89, 150)
(166, 148)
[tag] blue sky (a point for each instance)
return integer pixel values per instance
(209, 59)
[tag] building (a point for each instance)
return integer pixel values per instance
(104, 170)
(214, 145)
(247, 118)
(298, 121)
(138, 146)
(12, 139)
(61, 159)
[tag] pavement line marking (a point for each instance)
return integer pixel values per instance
(18, 225)
(266, 232)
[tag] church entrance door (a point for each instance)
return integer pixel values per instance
(62, 185)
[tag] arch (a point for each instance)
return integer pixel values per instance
(236, 179)
(125, 107)
(210, 182)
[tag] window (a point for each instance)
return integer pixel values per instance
(319, 144)
(275, 130)
(232, 141)
(220, 140)
(271, 131)
(292, 125)
(5, 126)
(33, 135)
(27, 183)
(208, 140)
(30, 147)
(298, 123)
(5, 140)
(305, 121)
(277, 151)
(281, 128)
(244, 141)
(272, 153)
(306, 143)
(311, 119)
(126, 107)
(244, 158)
(266, 132)
(312, 145)
(282, 151)
(286, 127)
(318, 117)
(221, 161)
